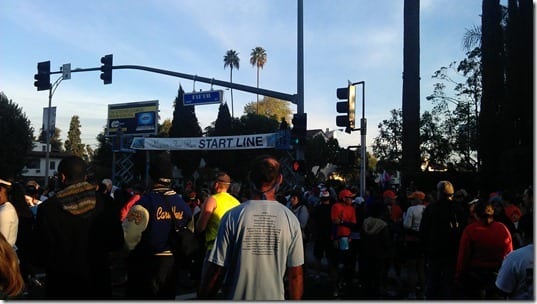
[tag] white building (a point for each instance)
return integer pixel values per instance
(36, 161)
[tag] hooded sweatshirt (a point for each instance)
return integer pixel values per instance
(76, 228)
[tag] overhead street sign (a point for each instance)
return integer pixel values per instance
(203, 97)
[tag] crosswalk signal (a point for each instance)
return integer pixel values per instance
(346, 106)
(106, 69)
(42, 78)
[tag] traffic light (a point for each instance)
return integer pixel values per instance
(298, 133)
(106, 69)
(346, 106)
(42, 78)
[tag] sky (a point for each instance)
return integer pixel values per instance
(344, 40)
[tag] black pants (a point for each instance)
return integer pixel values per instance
(151, 277)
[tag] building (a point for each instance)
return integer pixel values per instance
(36, 161)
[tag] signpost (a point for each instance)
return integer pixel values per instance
(202, 97)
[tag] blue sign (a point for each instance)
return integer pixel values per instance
(203, 97)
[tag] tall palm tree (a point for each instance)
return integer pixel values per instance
(231, 59)
(258, 57)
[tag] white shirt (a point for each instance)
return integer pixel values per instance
(516, 274)
(257, 241)
(413, 216)
(9, 223)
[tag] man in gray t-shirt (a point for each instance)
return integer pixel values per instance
(258, 244)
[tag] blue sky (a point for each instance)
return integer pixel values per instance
(356, 40)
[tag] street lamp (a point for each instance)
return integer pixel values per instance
(51, 91)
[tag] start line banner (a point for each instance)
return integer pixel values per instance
(240, 142)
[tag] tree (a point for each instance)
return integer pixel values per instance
(270, 107)
(185, 124)
(17, 134)
(231, 59)
(223, 126)
(258, 58)
(164, 128)
(56, 144)
(73, 143)
(460, 124)
(102, 160)
(387, 145)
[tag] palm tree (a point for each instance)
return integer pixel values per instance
(258, 57)
(231, 59)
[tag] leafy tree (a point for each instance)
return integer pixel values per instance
(460, 124)
(17, 134)
(185, 124)
(164, 128)
(270, 107)
(232, 60)
(435, 143)
(73, 143)
(258, 58)
(56, 144)
(387, 145)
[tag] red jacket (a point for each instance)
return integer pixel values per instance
(345, 213)
(483, 246)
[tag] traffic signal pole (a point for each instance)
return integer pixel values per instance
(347, 106)
(51, 91)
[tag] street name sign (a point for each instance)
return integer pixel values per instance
(202, 97)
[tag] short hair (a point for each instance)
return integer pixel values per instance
(264, 170)
(73, 168)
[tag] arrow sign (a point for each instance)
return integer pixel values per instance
(203, 97)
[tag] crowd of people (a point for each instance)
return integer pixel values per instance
(440, 244)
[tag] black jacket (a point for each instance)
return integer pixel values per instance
(76, 229)
(441, 229)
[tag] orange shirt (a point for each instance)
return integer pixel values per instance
(346, 213)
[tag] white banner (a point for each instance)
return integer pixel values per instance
(240, 142)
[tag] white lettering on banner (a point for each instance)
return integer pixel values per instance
(255, 141)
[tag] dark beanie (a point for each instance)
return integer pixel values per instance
(161, 169)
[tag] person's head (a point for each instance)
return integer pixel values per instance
(460, 196)
(444, 190)
(221, 182)
(324, 196)
(160, 170)
(264, 177)
(295, 197)
(5, 187)
(346, 196)
(235, 188)
(416, 197)
(484, 210)
(108, 183)
(11, 281)
(72, 170)
(496, 202)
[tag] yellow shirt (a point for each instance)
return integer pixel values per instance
(224, 202)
